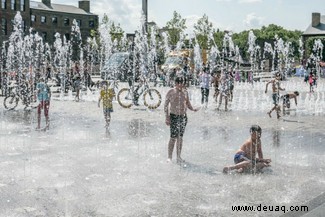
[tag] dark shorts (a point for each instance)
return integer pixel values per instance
(107, 110)
(238, 158)
(275, 97)
(177, 125)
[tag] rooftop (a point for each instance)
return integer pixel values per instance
(317, 30)
(58, 7)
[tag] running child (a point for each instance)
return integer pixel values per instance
(107, 94)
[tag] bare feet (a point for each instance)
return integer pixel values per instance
(180, 160)
(240, 170)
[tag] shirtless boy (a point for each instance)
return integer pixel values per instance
(286, 100)
(245, 158)
(275, 94)
(175, 107)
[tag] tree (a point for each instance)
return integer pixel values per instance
(310, 45)
(175, 27)
(203, 29)
(115, 30)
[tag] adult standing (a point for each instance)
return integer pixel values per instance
(176, 104)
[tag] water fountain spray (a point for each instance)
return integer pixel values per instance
(318, 53)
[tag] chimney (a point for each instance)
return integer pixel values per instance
(47, 3)
(85, 5)
(315, 19)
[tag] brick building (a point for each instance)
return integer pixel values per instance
(47, 18)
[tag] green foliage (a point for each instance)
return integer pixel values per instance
(202, 29)
(310, 44)
(266, 34)
(115, 30)
(218, 38)
(175, 27)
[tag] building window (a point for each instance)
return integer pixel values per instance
(66, 22)
(79, 22)
(67, 36)
(22, 5)
(43, 19)
(44, 36)
(4, 4)
(91, 24)
(54, 20)
(4, 26)
(33, 18)
(13, 5)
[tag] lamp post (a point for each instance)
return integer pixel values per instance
(145, 13)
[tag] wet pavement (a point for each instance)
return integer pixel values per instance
(78, 168)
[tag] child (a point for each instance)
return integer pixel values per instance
(205, 78)
(286, 99)
(216, 82)
(77, 87)
(275, 94)
(245, 158)
(106, 94)
(44, 96)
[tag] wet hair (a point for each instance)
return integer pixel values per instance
(255, 128)
(179, 80)
(296, 92)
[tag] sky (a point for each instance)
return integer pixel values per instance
(231, 15)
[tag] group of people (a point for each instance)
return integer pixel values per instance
(176, 104)
(106, 95)
(276, 97)
(223, 84)
(175, 108)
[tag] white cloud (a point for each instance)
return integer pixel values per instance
(223, 0)
(249, 1)
(253, 21)
(191, 20)
(125, 12)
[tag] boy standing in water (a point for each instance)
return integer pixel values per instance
(275, 94)
(245, 158)
(176, 104)
(44, 96)
(106, 94)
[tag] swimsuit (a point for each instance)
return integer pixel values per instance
(275, 97)
(177, 125)
(239, 157)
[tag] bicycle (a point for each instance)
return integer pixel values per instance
(19, 93)
(127, 97)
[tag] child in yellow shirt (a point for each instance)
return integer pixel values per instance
(106, 94)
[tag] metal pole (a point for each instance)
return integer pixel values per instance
(145, 13)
